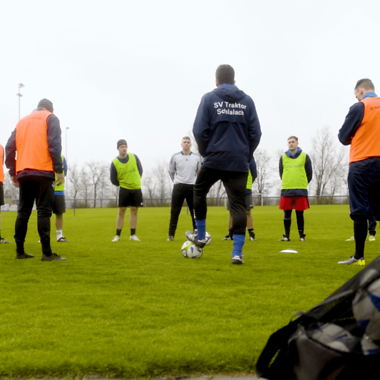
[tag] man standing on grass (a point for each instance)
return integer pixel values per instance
(296, 172)
(183, 170)
(2, 240)
(361, 130)
(227, 131)
(252, 175)
(37, 141)
(126, 172)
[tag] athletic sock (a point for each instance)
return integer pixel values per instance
(231, 232)
(118, 232)
(360, 231)
(59, 234)
(133, 231)
(201, 227)
(287, 224)
(238, 245)
(250, 231)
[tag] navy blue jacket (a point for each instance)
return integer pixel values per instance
(227, 129)
(309, 175)
(353, 120)
(54, 146)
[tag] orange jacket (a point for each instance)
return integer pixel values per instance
(366, 142)
(1, 163)
(31, 142)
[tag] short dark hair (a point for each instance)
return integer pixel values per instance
(47, 104)
(365, 83)
(225, 74)
(293, 137)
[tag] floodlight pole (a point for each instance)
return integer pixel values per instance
(20, 86)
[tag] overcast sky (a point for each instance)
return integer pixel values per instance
(138, 69)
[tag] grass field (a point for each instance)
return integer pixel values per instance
(139, 309)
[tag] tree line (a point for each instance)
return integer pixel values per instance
(90, 182)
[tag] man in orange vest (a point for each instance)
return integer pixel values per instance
(37, 142)
(2, 240)
(361, 130)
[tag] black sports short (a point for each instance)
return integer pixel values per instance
(248, 203)
(1, 194)
(131, 198)
(59, 204)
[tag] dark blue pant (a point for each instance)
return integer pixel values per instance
(181, 191)
(234, 183)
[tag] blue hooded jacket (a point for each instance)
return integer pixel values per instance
(227, 129)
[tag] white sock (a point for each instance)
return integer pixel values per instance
(59, 234)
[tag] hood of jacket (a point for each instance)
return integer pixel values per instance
(229, 94)
(299, 150)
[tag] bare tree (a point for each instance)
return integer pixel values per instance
(264, 173)
(150, 186)
(85, 184)
(162, 179)
(74, 178)
(217, 192)
(104, 183)
(96, 172)
(10, 191)
(328, 160)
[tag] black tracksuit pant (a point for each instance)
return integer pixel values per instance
(41, 190)
(181, 191)
(235, 184)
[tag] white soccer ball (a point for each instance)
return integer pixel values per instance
(190, 250)
(208, 238)
(366, 309)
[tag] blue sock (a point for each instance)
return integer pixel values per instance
(238, 245)
(201, 227)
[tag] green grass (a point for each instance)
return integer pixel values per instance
(139, 309)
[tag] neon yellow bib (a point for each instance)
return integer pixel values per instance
(294, 173)
(128, 174)
(61, 187)
(249, 180)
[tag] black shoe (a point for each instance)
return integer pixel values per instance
(285, 238)
(194, 238)
(62, 239)
(3, 241)
(52, 257)
(228, 237)
(252, 238)
(24, 256)
(303, 237)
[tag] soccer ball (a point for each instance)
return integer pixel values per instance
(208, 238)
(190, 250)
(366, 309)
